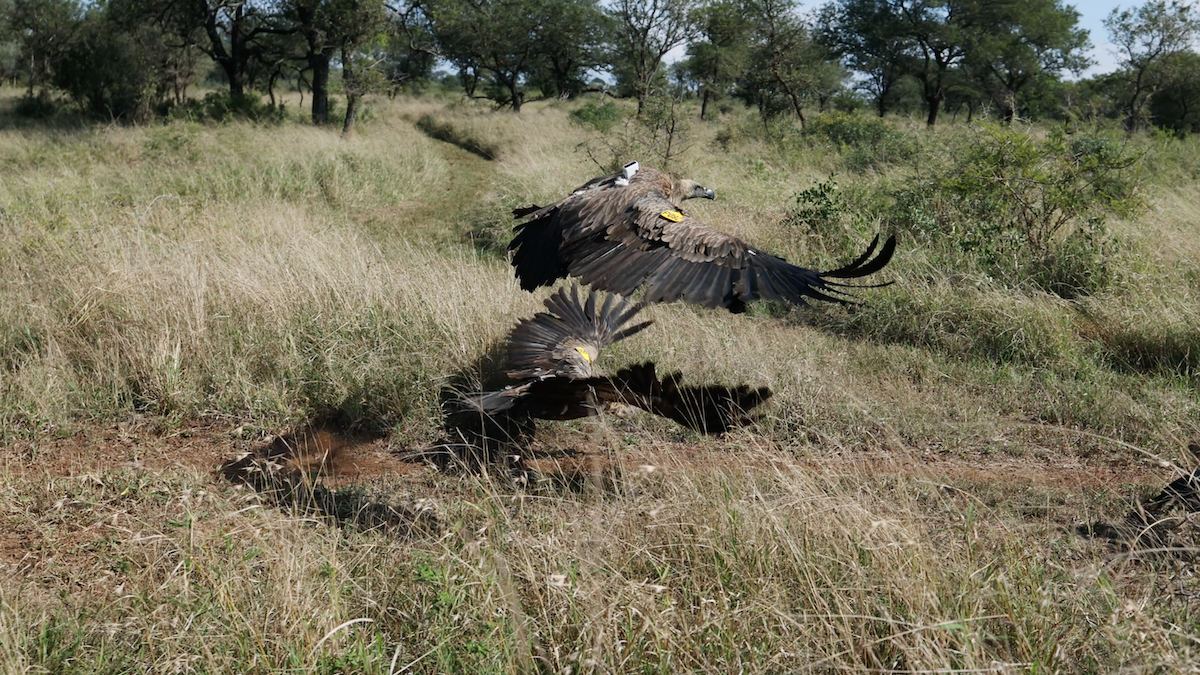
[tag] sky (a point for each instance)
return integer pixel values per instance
(1091, 17)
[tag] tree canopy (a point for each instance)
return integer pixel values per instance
(132, 59)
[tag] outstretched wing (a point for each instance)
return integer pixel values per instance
(566, 339)
(676, 257)
(537, 242)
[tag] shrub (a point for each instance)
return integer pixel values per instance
(223, 107)
(658, 136)
(864, 142)
(825, 213)
(1025, 209)
(38, 106)
(599, 116)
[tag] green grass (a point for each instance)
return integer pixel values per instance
(257, 276)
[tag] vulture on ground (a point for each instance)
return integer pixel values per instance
(552, 356)
(624, 231)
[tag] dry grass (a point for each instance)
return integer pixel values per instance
(263, 275)
(766, 567)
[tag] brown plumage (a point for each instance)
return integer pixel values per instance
(552, 355)
(566, 339)
(620, 235)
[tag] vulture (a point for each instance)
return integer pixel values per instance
(621, 232)
(551, 364)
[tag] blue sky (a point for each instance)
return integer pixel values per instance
(1091, 17)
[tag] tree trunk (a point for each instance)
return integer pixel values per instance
(353, 94)
(791, 94)
(518, 96)
(320, 88)
(236, 88)
(351, 113)
(704, 104)
(935, 102)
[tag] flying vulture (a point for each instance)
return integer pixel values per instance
(551, 362)
(625, 231)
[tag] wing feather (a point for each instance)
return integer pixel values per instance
(619, 238)
(549, 343)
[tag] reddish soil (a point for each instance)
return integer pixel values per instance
(348, 459)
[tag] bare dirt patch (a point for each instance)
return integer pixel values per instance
(347, 459)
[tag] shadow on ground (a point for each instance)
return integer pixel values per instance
(289, 472)
(1168, 522)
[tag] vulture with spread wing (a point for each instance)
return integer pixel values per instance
(552, 357)
(621, 232)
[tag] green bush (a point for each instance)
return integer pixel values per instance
(223, 107)
(658, 136)
(39, 106)
(1026, 209)
(599, 116)
(830, 215)
(864, 142)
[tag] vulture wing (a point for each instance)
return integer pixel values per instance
(536, 244)
(565, 340)
(621, 238)
(676, 257)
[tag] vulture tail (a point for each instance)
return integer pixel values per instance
(522, 211)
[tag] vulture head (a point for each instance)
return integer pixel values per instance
(575, 358)
(687, 188)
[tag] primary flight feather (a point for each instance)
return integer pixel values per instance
(626, 231)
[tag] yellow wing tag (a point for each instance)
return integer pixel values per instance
(673, 216)
(584, 354)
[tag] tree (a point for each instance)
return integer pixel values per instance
(568, 43)
(105, 69)
(722, 54)
(169, 39)
(887, 39)
(1146, 39)
(10, 46)
(497, 36)
(643, 31)
(46, 28)
(869, 38)
(235, 31)
(1015, 42)
(315, 22)
(788, 68)
(1176, 105)
(360, 24)
(407, 54)
(935, 31)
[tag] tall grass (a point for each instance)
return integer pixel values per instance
(267, 275)
(769, 566)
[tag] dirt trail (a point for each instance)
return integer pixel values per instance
(352, 459)
(443, 210)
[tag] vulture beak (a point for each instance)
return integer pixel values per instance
(709, 194)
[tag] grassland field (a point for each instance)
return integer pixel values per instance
(908, 502)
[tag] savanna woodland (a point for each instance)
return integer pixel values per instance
(253, 253)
